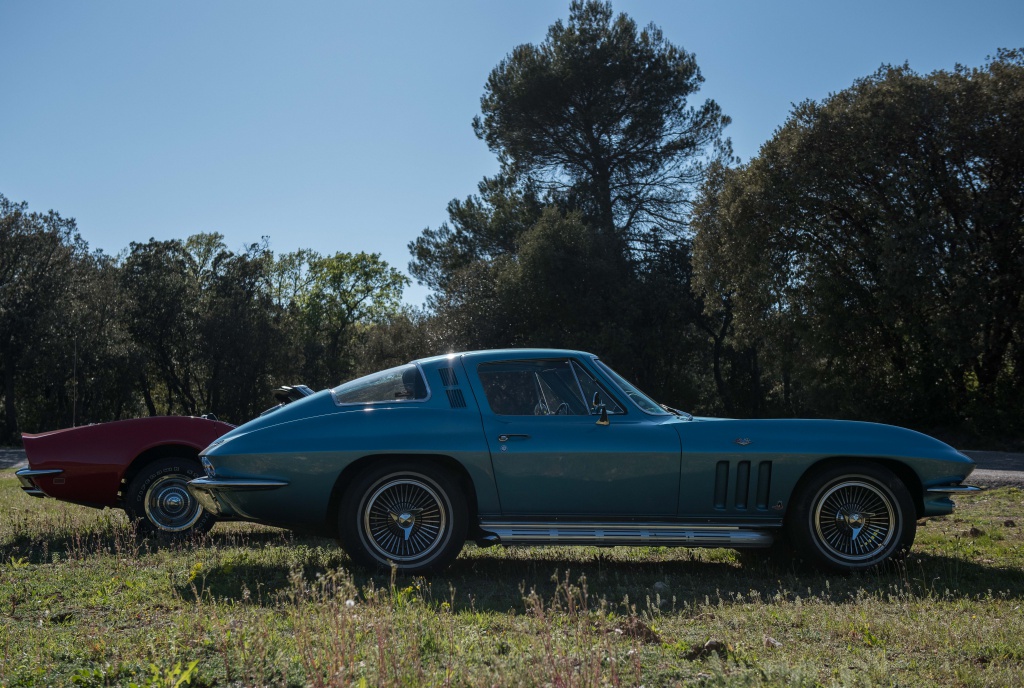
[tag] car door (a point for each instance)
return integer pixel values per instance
(551, 457)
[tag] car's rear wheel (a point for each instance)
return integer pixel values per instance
(852, 516)
(158, 501)
(411, 515)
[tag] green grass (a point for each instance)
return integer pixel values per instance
(83, 602)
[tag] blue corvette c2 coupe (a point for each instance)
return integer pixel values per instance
(543, 446)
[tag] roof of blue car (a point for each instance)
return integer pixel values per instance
(507, 353)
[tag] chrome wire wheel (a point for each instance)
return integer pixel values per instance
(405, 519)
(169, 506)
(855, 520)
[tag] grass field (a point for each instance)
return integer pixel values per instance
(84, 603)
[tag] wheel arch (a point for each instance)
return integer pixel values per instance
(902, 471)
(444, 461)
(152, 455)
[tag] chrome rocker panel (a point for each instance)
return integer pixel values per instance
(629, 534)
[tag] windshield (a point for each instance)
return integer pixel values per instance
(646, 404)
(404, 383)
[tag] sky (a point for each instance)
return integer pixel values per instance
(342, 126)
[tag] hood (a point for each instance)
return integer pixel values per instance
(825, 437)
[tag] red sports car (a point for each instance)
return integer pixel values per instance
(140, 465)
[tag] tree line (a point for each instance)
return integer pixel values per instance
(868, 263)
(172, 327)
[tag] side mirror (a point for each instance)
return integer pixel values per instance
(599, 405)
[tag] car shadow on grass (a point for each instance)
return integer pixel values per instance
(125, 540)
(501, 584)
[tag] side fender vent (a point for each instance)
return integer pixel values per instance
(721, 483)
(448, 377)
(455, 398)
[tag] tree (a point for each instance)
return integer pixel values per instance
(37, 252)
(344, 291)
(164, 281)
(578, 240)
(877, 243)
(599, 112)
(480, 229)
(243, 339)
(86, 368)
(205, 321)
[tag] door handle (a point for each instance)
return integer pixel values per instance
(505, 438)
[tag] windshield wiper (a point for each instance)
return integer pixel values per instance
(677, 412)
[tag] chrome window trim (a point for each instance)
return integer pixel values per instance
(426, 384)
(579, 386)
(545, 405)
(586, 403)
(638, 406)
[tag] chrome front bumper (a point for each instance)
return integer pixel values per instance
(954, 489)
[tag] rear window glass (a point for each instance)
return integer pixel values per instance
(404, 383)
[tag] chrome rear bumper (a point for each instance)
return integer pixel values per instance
(208, 491)
(28, 485)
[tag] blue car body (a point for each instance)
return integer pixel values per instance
(606, 466)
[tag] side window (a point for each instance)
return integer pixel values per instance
(532, 388)
(509, 392)
(589, 385)
(404, 383)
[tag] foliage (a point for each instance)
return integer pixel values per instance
(37, 252)
(343, 291)
(576, 242)
(874, 249)
(171, 326)
(599, 112)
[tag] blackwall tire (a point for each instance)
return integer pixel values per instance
(852, 516)
(159, 503)
(410, 515)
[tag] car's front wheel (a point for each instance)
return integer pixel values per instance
(158, 501)
(852, 516)
(411, 515)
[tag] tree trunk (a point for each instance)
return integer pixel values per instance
(9, 435)
(723, 390)
(150, 406)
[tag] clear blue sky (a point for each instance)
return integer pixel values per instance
(346, 126)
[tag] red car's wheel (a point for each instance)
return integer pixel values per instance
(158, 500)
(410, 515)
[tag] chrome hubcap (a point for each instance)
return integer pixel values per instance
(169, 506)
(854, 520)
(404, 519)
